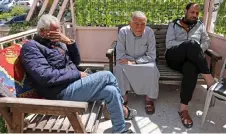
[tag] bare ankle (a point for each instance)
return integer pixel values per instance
(125, 111)
(125, 98)
(147, 98)
(183, 107)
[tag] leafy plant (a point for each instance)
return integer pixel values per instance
(3, 128)
(17, 10)
(114, 12)
(110, 13)
(220, 26)
(23, 26)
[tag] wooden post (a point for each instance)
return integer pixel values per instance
(210, 15)
(73, 19)
(206, 12)
(44, 5)
(62, 9)
(31, 11)
(53, 7)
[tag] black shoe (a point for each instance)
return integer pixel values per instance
(128, 131)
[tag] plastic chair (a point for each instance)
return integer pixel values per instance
(218, 91)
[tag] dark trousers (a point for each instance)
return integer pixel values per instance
(189, 59)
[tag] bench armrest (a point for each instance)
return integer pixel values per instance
(213, 61)
(41, 106)
(213, 54)
(92, 66)
(110, 55)
(110, 51)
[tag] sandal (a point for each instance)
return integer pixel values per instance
(185, 116)
(149, 107)
(131, 113)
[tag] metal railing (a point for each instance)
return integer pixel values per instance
(15, 38)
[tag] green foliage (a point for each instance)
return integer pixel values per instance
(23, 26)
(111, 13)
(114, 12)
(17, 10)
(5, 15)
(221, 19)
(3, 128)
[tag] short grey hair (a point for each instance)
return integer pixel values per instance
(45, 21)
(137, 14)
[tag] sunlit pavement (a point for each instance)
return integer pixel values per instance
(166, 118)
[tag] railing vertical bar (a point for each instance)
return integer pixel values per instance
(1, 46)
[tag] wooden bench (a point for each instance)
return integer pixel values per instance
(50, 116)
(167, 75)
(27, 115)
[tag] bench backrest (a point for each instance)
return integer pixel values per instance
(160, 36)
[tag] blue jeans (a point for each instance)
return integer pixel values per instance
(99, 86)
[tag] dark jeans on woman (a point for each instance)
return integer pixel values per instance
(189, 59)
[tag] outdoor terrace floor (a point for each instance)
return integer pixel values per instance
(166, 118)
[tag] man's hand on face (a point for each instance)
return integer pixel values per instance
(83, 74)
(126, 61)
(57, 36)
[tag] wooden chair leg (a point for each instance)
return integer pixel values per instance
(106, 113)
(8, 127)
(17, 121)
(76, 122)
(5, 112)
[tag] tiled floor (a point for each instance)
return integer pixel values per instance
(166, 118)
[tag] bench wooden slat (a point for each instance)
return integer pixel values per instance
(159, 26)
(66, 125)
(28, 120)
(93, 116)
(34, 122)
(58, 124)
(50, 123)
(160, 49)
(70, 130)
(160, 32)
(161, 53)
(160, 41)
(160, 36)
(160, 45)
(43, 123)
(161, 57)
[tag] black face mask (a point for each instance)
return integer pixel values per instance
(189, 22)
